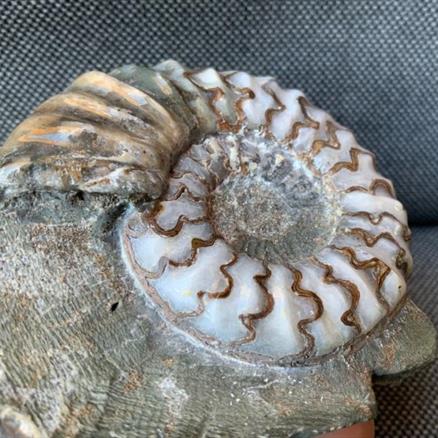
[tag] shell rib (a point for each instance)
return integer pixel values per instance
(271, 237)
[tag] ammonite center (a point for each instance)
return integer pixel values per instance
(272, 207)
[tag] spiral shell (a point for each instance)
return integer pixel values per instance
(270, 235)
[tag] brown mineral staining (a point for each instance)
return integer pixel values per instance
(133, 381)
(76, 418)
(169, 362)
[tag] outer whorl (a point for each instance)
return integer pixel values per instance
(101, 135)
(272, 237)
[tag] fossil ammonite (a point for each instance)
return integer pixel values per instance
(272, 236)
(254, 223)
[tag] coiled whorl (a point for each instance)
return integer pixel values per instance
(272, 236)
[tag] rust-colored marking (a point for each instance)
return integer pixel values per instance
(382, 270)
(226, 163)
(39, 135)
(352, 165)
(307, 123)
(246, 94)
(207, 166)
(196, 244)
(214, 94)
(376, 220)
(304, 104)
(388, 187)
(332, 142)
(270, 112)
(140, 270)
(214, 295)
(386, 184)
(180, 191)
(208, 181)
(249, 319)
(319, 309)
(224, 269)
(76, 102)
(108, 88)
(172, 232)
(349, 316)
(102, 84)
(370, 240)
(150, 218)
(177, 174)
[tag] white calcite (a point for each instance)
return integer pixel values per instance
(276, 237)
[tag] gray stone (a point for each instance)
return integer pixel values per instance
(83, 353)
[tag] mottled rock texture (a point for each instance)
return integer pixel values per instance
(82, 353)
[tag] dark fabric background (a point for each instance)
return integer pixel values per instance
(373, 64)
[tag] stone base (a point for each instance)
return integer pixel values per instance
(83, 352)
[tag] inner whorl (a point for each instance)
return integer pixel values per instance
(271, 206)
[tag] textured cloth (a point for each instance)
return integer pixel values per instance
(372, 64)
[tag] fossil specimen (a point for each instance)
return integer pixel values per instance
(254, 223)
